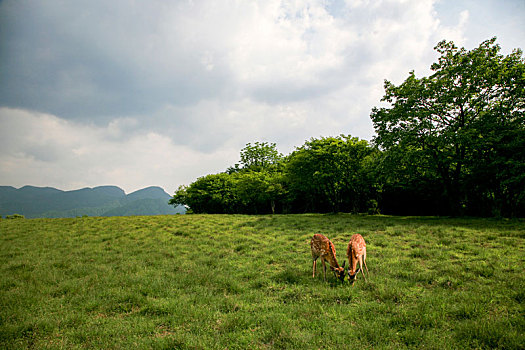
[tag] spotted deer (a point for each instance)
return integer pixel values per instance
(356, 252)
(323, 248)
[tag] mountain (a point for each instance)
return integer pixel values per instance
(149, 193)
(48, 202)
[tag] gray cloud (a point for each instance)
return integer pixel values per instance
(120, 87)
(97, 59)
(106, 59)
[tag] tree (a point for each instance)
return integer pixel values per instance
(213, 194)
(259, 192)
(438, 130)
(256, 188)
(327, 174)
(259, 156)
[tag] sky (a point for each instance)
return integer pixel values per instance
(159, 93)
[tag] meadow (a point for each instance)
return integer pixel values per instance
(245, 282)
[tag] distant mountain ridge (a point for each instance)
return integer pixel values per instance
(49, 202)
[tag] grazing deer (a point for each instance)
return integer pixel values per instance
(356, 252)
(323, 248)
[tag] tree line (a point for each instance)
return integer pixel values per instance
(452, 143)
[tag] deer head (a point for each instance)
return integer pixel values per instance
(339, 272)
(351, 277)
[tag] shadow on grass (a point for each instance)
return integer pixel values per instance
(288, 276)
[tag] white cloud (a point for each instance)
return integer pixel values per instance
(44, 150)
(457, 33)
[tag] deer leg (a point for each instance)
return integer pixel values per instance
(313, 272)
(364, 261)
(361, 267)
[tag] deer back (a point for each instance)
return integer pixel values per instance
(324, 248)
(356, 248)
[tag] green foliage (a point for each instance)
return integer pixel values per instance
(259, 156)
(328, 174)
(246, 192)
(15, 216)
(259, 192)
(239, 282)
(256, 188)
(453, 131)
(209, 194)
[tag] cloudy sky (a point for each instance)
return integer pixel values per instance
(140, 93)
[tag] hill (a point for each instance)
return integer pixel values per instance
(48, 202)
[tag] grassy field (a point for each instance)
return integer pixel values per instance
(245, 282)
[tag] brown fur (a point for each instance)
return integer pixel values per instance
(323, 248)
(356, 252)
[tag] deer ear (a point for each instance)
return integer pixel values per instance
(344, 262)
(357, 271)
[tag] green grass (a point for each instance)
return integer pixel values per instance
(239, 282)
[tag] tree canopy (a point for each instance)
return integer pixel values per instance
(323, 175)
(443, 130)
(260, 155)
(327, 174)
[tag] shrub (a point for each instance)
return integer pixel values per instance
(15, 216)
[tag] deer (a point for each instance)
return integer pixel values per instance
(356, 252)
(323, 248)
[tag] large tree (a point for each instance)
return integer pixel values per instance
(254, 188)
(257, 157)
(213, 194)
(447, 129)
(328, 174)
